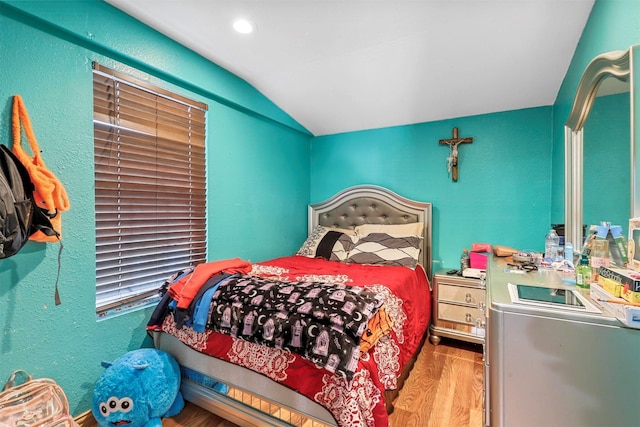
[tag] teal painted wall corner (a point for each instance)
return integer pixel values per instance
(502, 192)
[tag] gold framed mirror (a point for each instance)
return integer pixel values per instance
(609, 74)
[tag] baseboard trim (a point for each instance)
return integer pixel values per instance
(85, 419)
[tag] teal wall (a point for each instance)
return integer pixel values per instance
(612, 25)
(502, 192)
(258, 158)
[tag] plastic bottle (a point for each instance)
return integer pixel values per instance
(551, 245)
(568, 252)
(583, 272)
(465, 260)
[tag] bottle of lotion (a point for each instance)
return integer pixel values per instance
(583, 272)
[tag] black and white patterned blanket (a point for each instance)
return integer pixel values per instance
(321, 322)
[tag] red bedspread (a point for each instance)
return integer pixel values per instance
(359, 402)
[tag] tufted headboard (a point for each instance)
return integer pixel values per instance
(370, 204)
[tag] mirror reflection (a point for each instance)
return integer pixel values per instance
(599, 143)
(606, 187)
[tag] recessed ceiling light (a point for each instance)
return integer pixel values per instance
(243, 26)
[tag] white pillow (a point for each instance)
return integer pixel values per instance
(410, 229)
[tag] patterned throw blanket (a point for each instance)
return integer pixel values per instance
(321, 322)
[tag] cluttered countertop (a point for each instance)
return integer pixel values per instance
(595, 290)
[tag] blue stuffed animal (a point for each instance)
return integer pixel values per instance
(137, 390)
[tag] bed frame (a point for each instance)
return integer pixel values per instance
(369, 204)
(258, 398)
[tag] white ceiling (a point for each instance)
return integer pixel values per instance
(345, 65)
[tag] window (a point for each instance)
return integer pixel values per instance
(150, 188)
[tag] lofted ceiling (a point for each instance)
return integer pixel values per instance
(346, 65)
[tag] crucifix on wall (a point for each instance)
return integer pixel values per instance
(452, 160)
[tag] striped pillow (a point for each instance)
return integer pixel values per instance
(386, 249)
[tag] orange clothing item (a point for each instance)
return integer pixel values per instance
(380, 324)
(185, 289)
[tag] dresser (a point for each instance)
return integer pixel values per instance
(458, 308)
(553, 358)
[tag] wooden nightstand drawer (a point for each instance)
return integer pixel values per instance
(461, 314)
(460, 294)
(458, 308)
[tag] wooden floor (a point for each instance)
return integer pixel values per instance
(194, 416)
(444, 389)
(191, 416)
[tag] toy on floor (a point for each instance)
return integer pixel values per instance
(137, 390)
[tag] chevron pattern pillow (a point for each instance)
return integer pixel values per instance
(386, 249)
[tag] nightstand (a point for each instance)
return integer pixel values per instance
(458, 308)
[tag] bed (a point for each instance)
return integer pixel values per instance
(357, 292)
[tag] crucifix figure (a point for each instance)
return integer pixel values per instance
(452, 160)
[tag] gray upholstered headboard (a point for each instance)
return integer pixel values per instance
(369, 204)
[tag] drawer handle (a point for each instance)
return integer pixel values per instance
(481, 305)
(468, 298)
(480, 323)
(469, 318)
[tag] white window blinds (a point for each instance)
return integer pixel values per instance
(150, 188)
